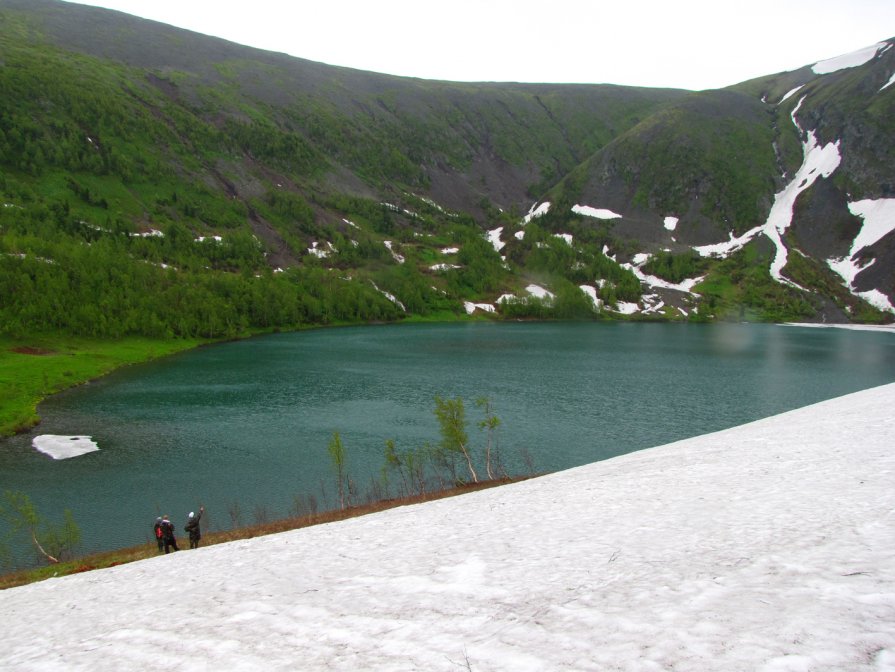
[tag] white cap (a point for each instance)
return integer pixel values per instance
(191, 514)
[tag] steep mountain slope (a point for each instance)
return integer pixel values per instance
(156, 181)
(723, 165)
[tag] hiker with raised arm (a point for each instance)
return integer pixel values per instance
(192, 527)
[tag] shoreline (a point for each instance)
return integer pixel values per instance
(36, 358)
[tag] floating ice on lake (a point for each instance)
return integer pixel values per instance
(63, 447)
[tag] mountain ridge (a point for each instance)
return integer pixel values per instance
(334, 168)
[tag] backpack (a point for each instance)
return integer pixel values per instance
(158, 531)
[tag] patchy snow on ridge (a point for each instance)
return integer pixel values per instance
(878, 300)
(879, 221)
(626, 307)
(493, 237)
(567, 237)
(655, 282)
(321, 252)
(397, 257)
(599, 213)
(767, 546)
(472, 307)
(539, 292)
(63, 447)
(391, 297)
(591, 293)
(790, 93)
(536, 211)
(817, 161)
(852, 60)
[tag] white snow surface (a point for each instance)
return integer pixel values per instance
(539, 292)
(599, 213)
(769, 546)
(686, 286)
(626, 307)
(670, 223)
(852, 60)
(790, 93)
(536, 211)
(567, 237)
(889, 83)
(61, 447)
(591, 293)
(494, 239)
(471, 307)
(879, 221)
(390, 247)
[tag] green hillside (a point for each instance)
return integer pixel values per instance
(163, 184)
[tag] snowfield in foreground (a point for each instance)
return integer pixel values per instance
(769, 546)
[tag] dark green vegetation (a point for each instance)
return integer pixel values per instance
(162, 184)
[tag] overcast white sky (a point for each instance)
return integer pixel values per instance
(692, 44)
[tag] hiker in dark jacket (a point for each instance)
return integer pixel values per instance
(168, 534)
(159, 536)
(192, 527)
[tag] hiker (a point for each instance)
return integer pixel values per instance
(159, 535)
(192, 526)
(168, 534)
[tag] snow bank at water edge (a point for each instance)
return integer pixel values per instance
(763, 547)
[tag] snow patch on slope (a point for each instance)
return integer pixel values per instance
(817, 161)
(852, 60)
(536, 211)
(390, 246)
(493, 237)
(599, 213)
(879, 221)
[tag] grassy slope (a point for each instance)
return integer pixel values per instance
(32, 368)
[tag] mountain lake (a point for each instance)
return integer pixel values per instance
(245, 425)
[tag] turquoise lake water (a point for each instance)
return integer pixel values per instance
(247, 423)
